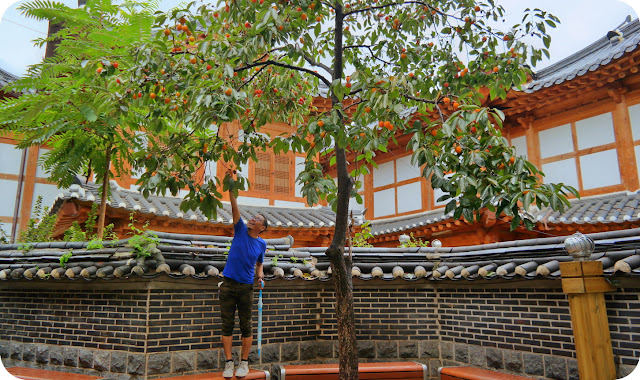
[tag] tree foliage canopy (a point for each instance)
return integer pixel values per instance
(420, 68)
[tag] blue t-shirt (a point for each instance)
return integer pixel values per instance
(245, 251)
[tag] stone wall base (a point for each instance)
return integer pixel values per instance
(119, 365)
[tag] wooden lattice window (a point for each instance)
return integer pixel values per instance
(281, 175)
(262, 180)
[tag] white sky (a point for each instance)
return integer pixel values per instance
(582, 22)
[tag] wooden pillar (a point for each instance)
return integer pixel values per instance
(624, 142)
(584, 284)
(28, 187)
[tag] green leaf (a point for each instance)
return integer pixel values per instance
(515, 222)
(88, 113)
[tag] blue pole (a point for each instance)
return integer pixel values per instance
(260, 323)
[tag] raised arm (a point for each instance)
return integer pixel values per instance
(234, 207)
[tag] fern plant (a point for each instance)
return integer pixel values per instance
(40, 225)
(360, 239)
(143, 242)
(77, 233)
(78, 102)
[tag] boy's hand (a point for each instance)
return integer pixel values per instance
(261, 283)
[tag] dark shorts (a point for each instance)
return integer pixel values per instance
(232, 295)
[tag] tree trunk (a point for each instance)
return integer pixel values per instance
(105, 193)
(341, 272)
(341, 266)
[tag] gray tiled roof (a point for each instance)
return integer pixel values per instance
(6, 78)
(610, 208)
(599, 53)
(131, 200)
(198, 256)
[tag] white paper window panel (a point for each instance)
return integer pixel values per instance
(409, 197)
(595, 131)
(299, 167)
(48, 193)
(355, 206)
(561, 172)
(40, 172)
(405, 170)
(637, 149)
(244, 169)
(6, 227)
(8, 190)
(10, 159)
(253, 201)
(555, 141)
(134, 187)
(437, 193)
(520, 143)
(383, 175)
(210, 169)
(289, 204)
(384, 203)
(600, 169)
(634, 118)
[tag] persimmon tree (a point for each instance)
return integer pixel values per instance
(427, 69)
(423, 68)
(76, 103)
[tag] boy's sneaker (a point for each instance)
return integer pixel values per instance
(228, 370)
(243, 369)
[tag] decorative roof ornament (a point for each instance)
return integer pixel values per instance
(579, 246)
(616, 36)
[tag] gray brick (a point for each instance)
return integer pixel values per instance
(208, 359)
(308, 350)
(430, 349)
(555, 368)
(447, 350)
(289, 352)
(478, 356)
(101, 360)
(118, 362)
(494, 358)
(85, 358)
(533, 364)
(462, 353)
(386, 349)
(183, 361)
(408, 349)
(513, 361)
(136, 364)
(366, 349)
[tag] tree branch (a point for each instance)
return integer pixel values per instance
(287, 66)
(368, 47)
(314, 63)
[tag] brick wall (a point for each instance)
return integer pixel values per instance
(151, 332)
(102, 319)
(623, 309)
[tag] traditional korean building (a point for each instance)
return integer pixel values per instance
(578, 120)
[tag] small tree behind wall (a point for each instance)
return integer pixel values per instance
(74, 103)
